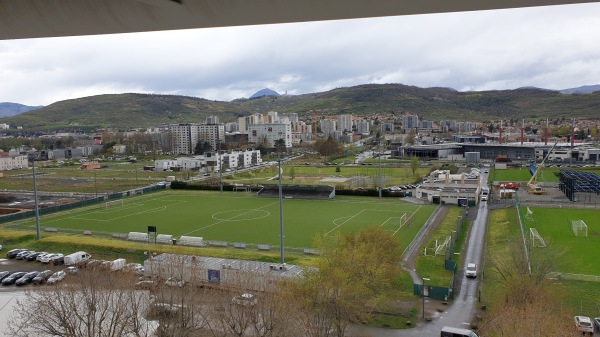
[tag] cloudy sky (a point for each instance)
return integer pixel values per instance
(550, 47)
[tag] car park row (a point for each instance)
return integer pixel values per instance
(73, 261)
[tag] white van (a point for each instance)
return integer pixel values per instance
(457, 332)
(76, 258)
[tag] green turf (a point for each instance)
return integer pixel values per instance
(554, 225)
(522, 174)
(243, 217)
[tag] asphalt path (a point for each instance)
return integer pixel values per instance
(460, 311)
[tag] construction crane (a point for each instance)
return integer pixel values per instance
(532, 186)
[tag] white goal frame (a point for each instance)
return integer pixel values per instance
(579, 227)
(112, 203)
(439, 249)
(536, 238)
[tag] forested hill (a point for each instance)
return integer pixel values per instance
(125, 111)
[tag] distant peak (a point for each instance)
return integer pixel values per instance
(265, 93)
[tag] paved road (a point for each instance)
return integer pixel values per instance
(462, 310)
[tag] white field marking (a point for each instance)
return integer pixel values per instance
(214, 216)
(233, 217)
(399, 228)
(349, 218)
(386, 221)
(118, 209)
(152, 210)
(335, 221)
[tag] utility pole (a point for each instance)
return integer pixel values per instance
(220, 165)
(281, 236)
(35, 197)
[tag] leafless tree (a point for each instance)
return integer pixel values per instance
(92, 303)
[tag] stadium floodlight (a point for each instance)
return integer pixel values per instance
(281, 238)
(35, 197)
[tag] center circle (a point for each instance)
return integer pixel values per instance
(241, 215)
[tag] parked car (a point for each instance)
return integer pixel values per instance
(41, 256)
(42, 277)
(597, 322)
(50, 257)
(12, 278)
(584, 324)
(147, 284)
(33, 257)
(58, 260)
(56, 277)
(13, 252)
(22, 254)
(245, 299)
(27, 278)
(174, 282)
(471, 270)
(134, 268)
(71, 270)
(3, 274)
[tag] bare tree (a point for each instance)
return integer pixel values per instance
(527, 302)
(93, 303)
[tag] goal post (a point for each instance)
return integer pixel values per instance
(536, 238)
(402, 220)
(113, 203)
(579, 228)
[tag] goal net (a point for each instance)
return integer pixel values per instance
(402, 220)
(536, 238)
(114, 203)
(579, 228)
(440, 250)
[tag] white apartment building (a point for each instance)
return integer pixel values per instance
(362, 126)
(231, 159)
(410, 122)
(186, 136)
(4, 126)
(292, 117)
(270, 133)
(164, 164)
(13, 163)
(328, 126)
(344, 123)
(212, 120)
(270, 117)
(243, 122)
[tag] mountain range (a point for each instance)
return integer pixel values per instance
(8, 109)
(124, 111)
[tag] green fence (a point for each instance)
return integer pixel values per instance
(445, 293)
(82, 203)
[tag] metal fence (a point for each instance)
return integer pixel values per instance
(86, 201)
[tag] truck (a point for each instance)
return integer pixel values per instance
(503, 159)
(76, 258)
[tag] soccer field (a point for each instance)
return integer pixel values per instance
(244, 217)
(554, 226)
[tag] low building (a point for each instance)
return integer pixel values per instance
(13, 162)
(441, 187)
(242, 274)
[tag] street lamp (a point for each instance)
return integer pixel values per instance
(424, 279)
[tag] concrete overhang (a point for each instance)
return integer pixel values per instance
(21, 19)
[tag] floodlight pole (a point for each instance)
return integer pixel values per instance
(379, 174)
(35, 197)
(281, 238)
(220, 165)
